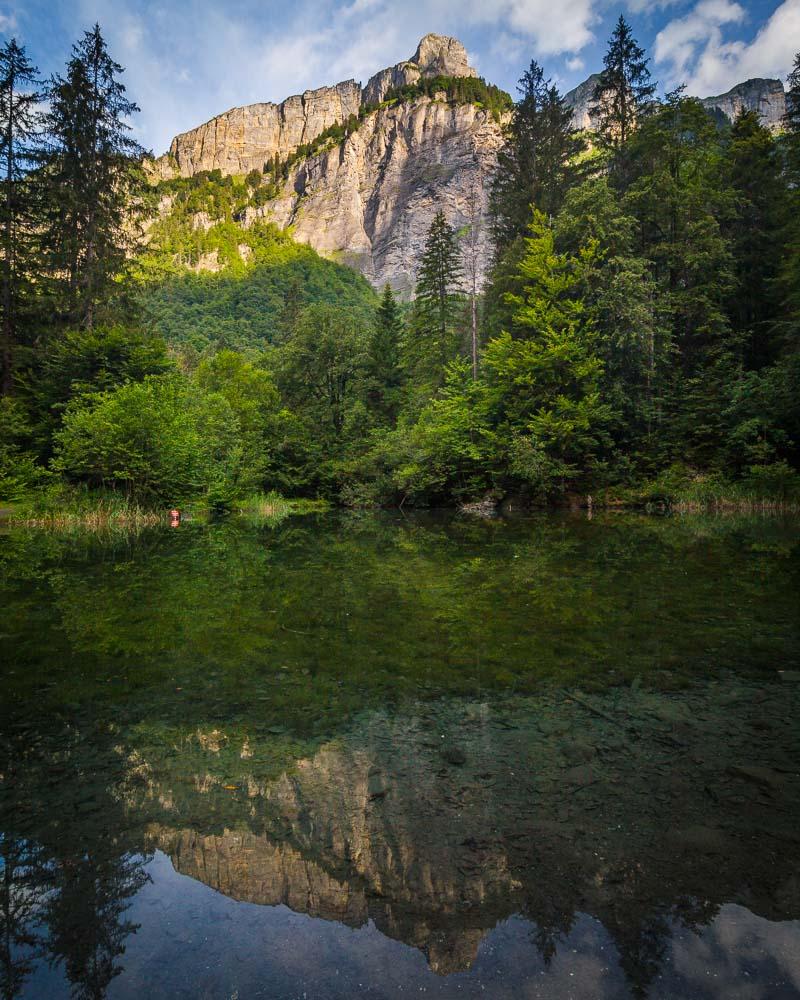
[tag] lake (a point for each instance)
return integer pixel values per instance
(344, 755)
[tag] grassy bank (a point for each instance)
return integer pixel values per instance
(764, 489)
(64, 509)
(769, 490)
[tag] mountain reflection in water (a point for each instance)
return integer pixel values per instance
(614, 836)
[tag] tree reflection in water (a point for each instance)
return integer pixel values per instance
(249, 704)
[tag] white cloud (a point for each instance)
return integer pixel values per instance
(186, 63)
(694, 49)
(553, 29)
(649, 6)
(8, 23)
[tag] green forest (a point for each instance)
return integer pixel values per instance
(637, 340)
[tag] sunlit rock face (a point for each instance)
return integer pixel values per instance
(245, 138)
(436, 55)
(766, 97)
(581, 100)
(370, 201)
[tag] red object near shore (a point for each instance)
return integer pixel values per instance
(174, 518)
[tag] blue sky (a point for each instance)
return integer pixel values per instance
(187, 61)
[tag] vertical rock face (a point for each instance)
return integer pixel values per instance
(767, 97)
(370, 201)
(243, 139)
(439, 54)
(580, 100)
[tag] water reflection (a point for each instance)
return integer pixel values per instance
(265, 740)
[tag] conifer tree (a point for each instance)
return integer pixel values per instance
(789, 276)
(93, 179)
(682, 201)
(755, 233)
(537, 165)
(20, 134)
(543, 383)
(624, 90)
(435, 330)
(384, 356)
(791, 118)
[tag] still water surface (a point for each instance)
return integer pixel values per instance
(378, 756)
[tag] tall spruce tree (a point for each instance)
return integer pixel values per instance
(624, 89)
(791, 118)
(683, 204)
(543, 384)
(537, 165)
(789, 275)
(385, 371)
(754, 173)
(93, 179)
(20, 135)
(435, 331)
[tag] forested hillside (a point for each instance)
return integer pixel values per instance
(637, 339)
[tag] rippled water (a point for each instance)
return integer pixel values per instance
(377, 755)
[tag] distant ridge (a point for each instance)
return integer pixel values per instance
(765, 96)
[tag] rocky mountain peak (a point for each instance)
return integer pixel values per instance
(767, 97)
(441, 54)
(436, 55)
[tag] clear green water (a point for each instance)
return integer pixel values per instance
(377, 755)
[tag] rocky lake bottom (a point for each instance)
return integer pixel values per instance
(369, 755)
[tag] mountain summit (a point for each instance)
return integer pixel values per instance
(368, 193)
(244, 138)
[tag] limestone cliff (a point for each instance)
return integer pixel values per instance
(436, 55)
(371, 200)
(767, 97)
(580, 100)
(245, 138)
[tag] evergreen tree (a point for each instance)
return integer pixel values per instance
(624, 90)
(322, 367)
(434, 336)
(20, 135)
(384, 357)
(93, 179)
(788, 283)
(543, 384)
(791, 118)
(537, 164)
(755, 232)
(621, 298)
(683, 205)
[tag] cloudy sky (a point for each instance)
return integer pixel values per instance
(187, 61)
